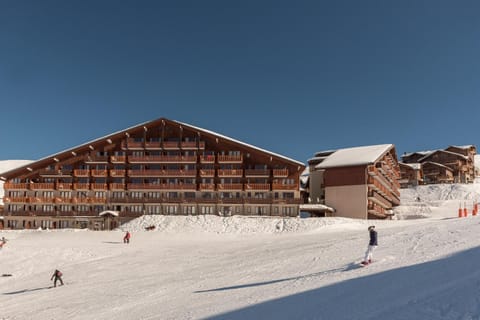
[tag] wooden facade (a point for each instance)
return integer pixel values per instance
(434, 173)
(411, 174)
(459, 159)
(363, 190)
(160, 167)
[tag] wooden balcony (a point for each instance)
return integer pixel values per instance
(162, 173)
(207, 172)
(207, 158)
(170, 145)
(132, 144)
(81, 186)
(188, 145)
(55, 173)
(117, 186)
(15, 199)
(63, 200)
(170, 186)
(15, 186)
(229, 159)
(162, 159)
(258, 200)
(99, 173)
(229, 186)
(42, 186)
(201, 145)
(99, 186)
(64, 186)
(230, 172)
(118, 159)
(283, 186)
(207, 187)
(41, 200)
(117, 172)
(264, 173)
(153, 145)
(81, 172)
(280, 173)
(257, 186)
(97, 200)
(96, 159)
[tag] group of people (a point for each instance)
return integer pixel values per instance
(57, 274)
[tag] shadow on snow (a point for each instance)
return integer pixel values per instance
(442, 289)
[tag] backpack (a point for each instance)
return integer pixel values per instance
(59, 274)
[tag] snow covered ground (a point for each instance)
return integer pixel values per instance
(209, 267)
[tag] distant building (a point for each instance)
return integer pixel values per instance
(359, 182)
(411, 174)
(158, 167)
(459, 159)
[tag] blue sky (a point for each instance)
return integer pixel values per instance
(292, 77)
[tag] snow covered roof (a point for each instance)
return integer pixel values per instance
(408, 154)
(355, 156)
(438, 165)
(445, 151)
(316, 207)
(415, 166)
(109, 212)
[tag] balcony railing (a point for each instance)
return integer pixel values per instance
(169, 186)
(81, 186)
(280, 173)
(283, 186)
(162, 159)
(42, 186)
(117, 186)
(96, 159)
(99, 186)
(230, 158)
(257, 173)
(64, 186)
(99, 173)
(153, 145)
(81, 172)
(207, 158)
(117, 172)
(170, 145)
(257, 186)
(207, 187)
(230, 172)
(230, 186)
(15, 186)
(207, 172)
(189, 145)
(118, 159)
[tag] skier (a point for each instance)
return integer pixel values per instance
(371, 246)
(3, 242)
(126, 238)
(57, 274)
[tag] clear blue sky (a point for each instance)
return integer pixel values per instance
(291, 77)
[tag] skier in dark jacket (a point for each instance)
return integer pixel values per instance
(372, 244)
(57, 274)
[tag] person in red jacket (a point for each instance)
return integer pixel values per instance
(126, 238)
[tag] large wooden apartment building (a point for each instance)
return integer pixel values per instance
(359, 182)
(158, 167)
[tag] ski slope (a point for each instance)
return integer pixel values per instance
(209, 267)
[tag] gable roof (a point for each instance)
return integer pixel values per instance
(444, 151)
(436, 164)
(355, 156)
(93, 144)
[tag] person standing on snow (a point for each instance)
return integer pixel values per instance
(126, 239)
(57, 274)
(371, 246)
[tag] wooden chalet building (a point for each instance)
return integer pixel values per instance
(459, 159)
(359, 182)
(159, 167)
(411, 174)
